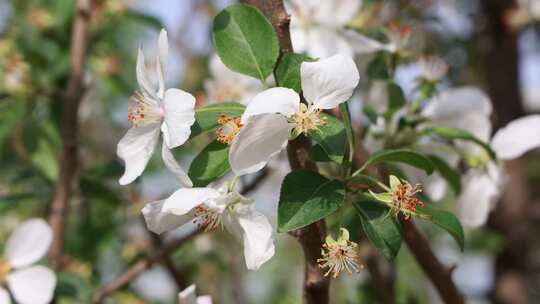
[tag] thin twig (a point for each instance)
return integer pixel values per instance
(140, 266)
(311, 238)
(68, 157)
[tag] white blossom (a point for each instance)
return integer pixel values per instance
(189, 296)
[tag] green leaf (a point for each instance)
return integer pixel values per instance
(378, 67)
(455, 133)
(207, 117)
(380, 228)
(451, 175)
(307, 197)
(288, 71)
(211, 163)
(317, 154)
(446, 221)
(409, 157)
(245, 41)
(396, 98)
(332, 138)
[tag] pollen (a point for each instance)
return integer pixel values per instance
(340, 255)
(5, 268)
(143, 110)
(308, 119)
(404, 200)
(206, 218)
(230, 126)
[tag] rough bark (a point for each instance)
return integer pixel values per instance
(71, 99)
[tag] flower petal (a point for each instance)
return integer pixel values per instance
(28, 243)
(321, 42)
(479, 193)
(275, 100)
(261, 138)
(329, 82)
(518, 137)
(33, 285)
(342, 12)
(455, 103)
(161, 62)
(142, 76)
(184, 199)
(159, 221)
(188, 295)
(254, 230)
(174, 167)
(179, 108)
(4, 296)
(136, 149)
(363, 44)
(204, 300)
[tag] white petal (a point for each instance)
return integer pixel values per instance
(261, 138)
(4, 296)
(136, 149)
(300, 39)
(518, 137)
(142, 76)
(179, 108)
(323, 42)
(254, 230)
(174, 167)
(479, 194)
(275, 100)
(188, 296)
(159, 221)
(161, 63)
(184, 199)
(455, 103)
(204, 300)
(28, 243)
(342, 12)
(329, 82)
(363, 44)
(33, 285)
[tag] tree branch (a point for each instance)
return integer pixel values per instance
(68, 157)
(139, 267)
(311, 238)
(438, 274)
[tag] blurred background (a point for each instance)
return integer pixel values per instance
(493, 44)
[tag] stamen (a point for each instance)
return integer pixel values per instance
(206, 218)
(340, 256)
(308, 119)
(404, 200)
(143, 111)
(230, 127)
(5, 268)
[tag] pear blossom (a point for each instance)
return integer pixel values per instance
(264, 128)
(211, 208)
(434, 68)
(318, 33)
(28, 284)
(156, 109)
(398, 39)
(226, 85)
(189, 296)
(340, 255)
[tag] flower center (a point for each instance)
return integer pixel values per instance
(230, 126)
(308, 119)
(404, 201)
(207, 218)
(340, 256)
(143, 110)
(5, 268)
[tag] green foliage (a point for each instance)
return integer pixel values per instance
(331, 139)
(396, 97)
(307, 197)
(207, 117)
(408, 157)
(378, 67)
(455, 133)
(210, 164)
(245, 41)
(381, 229)
(451, 175)
(288, 71)
(446, 221)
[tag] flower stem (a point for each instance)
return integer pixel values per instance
(232, 184)
(346, 116)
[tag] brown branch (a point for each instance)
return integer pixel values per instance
(438, 274)
(311, 238)
(139, 267)
(382, 277)
(68, 156)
